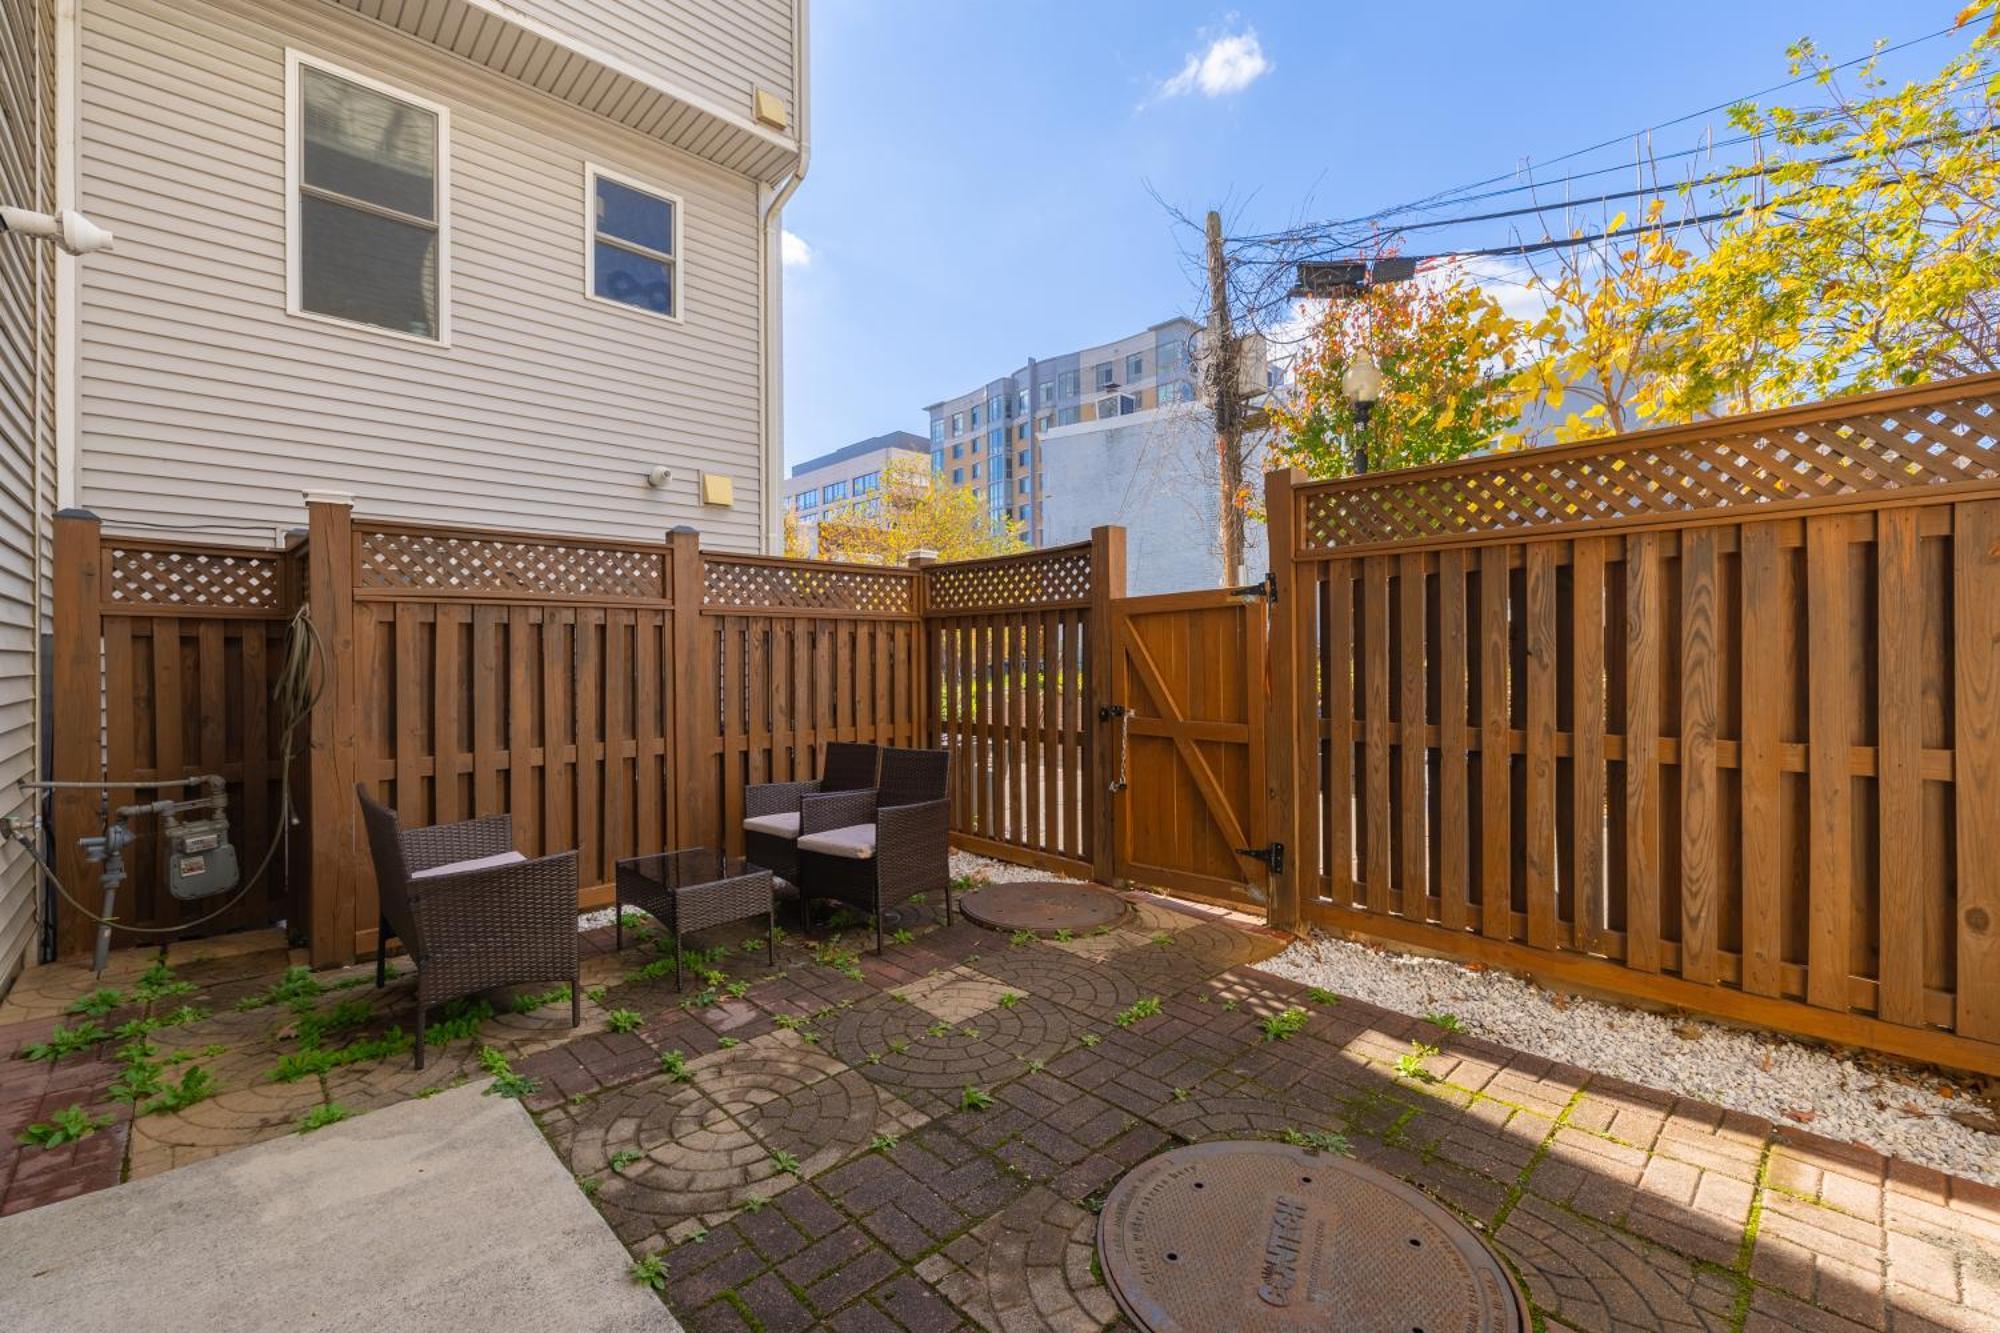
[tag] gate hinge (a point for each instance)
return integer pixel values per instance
(1264, 591)
(1272, 856)
(1112, 712)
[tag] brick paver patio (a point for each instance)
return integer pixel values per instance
(800, 1145)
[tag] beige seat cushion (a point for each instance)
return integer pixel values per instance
(856, 842)
(776, 826)
(476, 863)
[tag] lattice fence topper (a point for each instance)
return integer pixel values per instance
(144, 577)
(404, 560)
(1927, 444)
(805, 587)
(1040, 579)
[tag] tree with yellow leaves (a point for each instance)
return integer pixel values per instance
(907, 513)
(1444, 348)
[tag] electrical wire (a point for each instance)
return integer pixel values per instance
(301, 681)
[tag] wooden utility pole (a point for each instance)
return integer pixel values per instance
(1226, 403)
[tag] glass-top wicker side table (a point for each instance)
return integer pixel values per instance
(693, 890)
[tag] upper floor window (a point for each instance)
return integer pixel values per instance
(958, 476)
(1101, 373)
(808, 499)
(1135, 366)
(937, 460)
(937, 431)
(367, 209)
(867, 482)
(1069, 416)
(1048, 392)
(635, 234)
(1066, 383)
(1168, 358)
(833, 491)
(1021, 402)
(958, 423)
(975, 418)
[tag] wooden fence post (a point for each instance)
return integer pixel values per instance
(1107, 583)
(928, 734)
(687, 727)
(76, 673)
(336, 851)
(1291, 753)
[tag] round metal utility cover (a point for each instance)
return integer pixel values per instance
(1044, 907)
(1262, 1236)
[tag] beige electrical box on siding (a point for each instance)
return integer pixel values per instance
(771, 109)
(717, 489)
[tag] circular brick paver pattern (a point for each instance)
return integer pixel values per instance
(694, 1158)
(1030, 1268)
(1093, 989)
(1592, 1277)
(1187, 957)
(982, 1050)
(1044, 907)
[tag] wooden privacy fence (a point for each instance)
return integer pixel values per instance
(186, 640)
(1708, 716)
(614, 697)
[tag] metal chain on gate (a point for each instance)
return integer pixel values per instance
(1124, 751)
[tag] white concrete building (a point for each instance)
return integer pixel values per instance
(1154, 472)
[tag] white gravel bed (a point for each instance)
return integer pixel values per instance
(1902, 1110)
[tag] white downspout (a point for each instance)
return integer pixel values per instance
(69, 286)
(770, 285)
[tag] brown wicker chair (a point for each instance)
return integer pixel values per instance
(470, 910)
(874, 849)
(771, 809)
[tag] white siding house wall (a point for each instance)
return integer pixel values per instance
(27, 438)
(203, 403)
(719, 50)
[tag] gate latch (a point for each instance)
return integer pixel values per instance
(1264, 591)
(1111, 712)
(1272, 856)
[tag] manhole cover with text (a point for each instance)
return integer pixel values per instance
(1044, 907)
(1262, 1236)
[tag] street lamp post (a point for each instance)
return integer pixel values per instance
(1362, 383)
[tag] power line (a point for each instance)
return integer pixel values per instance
(1453, 194)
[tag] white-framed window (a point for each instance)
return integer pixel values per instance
(632, 243)
(1101, 373)
(367, 203)
(1048, 393)
(1135, 366)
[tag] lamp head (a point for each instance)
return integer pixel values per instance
(1362, 380)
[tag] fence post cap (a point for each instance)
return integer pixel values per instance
(330, 498)
(683, 527)
(923, 555)
(77, 513)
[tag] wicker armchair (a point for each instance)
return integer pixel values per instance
(874, 849)
(470, 910)
(771, 809)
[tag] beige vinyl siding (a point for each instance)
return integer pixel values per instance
(26, 438)
(719, 50)
(203, 402)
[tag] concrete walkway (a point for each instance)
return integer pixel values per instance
(444, 1213)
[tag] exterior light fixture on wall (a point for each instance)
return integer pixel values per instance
(72, 232)
(660, 478)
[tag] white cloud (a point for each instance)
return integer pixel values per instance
(1231, 63)
(795, 252)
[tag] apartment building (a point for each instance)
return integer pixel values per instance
(514, 264)
(837, 482)
(990, 438)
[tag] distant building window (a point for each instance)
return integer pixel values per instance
(1183, 392)
(867, 482)
(1066, 383)
(1047, 420)
(1135, 366)
(1048, 393)
(1021, 402)
(937, 430)
(958, 476)
(836, 490)
(1024, 487)
(1069, 416)
(974, 422)
(975, 472)
(937, 460)
(1023, 460)
(996, 441)
(808, 499)
(1107, 407)
(1021, 431)
(1167, 358)
(635, 247)
(1101, 375)
(995, 408)
(1024, 513)
(958, 423)
(958, 451)
(367, 210)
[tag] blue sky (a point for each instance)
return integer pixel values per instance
(979, 185)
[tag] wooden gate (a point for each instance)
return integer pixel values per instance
(1188, 673)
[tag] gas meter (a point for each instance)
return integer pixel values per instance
(200, 860)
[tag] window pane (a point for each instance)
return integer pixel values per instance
(631, 215)
(369, 147)
(634, 279)
(370, 269)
